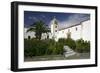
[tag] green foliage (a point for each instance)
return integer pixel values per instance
(59, 48)
(35, 47)
(82, 46)
(69, 42)
(38, 27)
(62, 40)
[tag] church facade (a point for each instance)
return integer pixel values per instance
(82, 30)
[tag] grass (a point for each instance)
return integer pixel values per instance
(57, 57)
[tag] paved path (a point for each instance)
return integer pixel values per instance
(58, 57)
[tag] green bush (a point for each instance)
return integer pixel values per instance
(54, 48)
(34, 47)
(82, 46)
(59, 48)
(29, 50)
(62, 40)
(71, 43)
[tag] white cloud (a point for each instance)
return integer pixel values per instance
(73, 19)
(33, 18)
(43, 16)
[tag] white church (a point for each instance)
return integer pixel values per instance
(82, 30)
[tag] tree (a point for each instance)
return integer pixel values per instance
(38, 27)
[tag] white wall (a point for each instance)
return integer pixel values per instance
(75, 34)
(83, 31)
(86, 32)
(27, 34)
(5, 36)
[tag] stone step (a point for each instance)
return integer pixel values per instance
(68, 51)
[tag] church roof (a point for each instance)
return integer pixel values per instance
(74, 25)
(70, 26)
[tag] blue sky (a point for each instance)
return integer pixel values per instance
(64, 19)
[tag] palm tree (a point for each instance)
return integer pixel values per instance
(39, 27)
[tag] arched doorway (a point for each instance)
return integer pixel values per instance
(68, 34)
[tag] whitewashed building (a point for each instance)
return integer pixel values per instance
(74, 31)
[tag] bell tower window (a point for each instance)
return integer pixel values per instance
(56, 26)
(76, 28)
(55, 30)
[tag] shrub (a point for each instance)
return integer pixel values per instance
(82, 46)
(71, 43)
(62, 40)
(35, 47)
(29, 50)
(59, 48)
(53, 48)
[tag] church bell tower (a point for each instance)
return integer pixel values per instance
(54, 28)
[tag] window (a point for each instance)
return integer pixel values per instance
(55, 30)
(69, 35)
(29, 37)
(76, 28)
(68, 30)
(56, 26)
